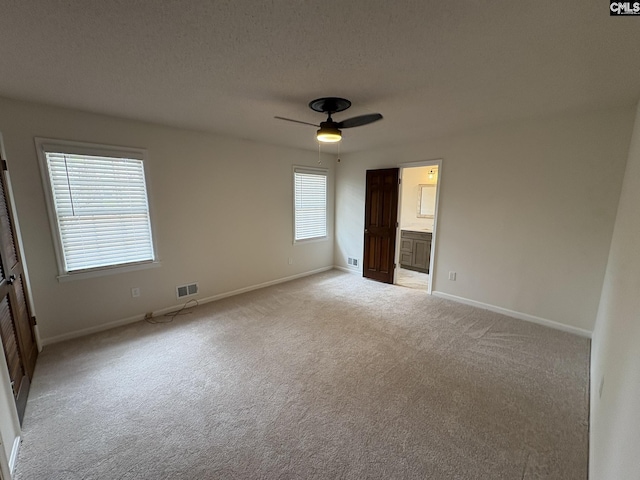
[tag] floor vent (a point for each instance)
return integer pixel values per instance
(352, 261)
(187, 290)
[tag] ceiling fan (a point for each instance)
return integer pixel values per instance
(329, 129)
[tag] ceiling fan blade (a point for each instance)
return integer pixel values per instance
(297, 121)
(360, 120)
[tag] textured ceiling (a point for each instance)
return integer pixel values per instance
(430, 67)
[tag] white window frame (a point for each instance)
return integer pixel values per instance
(312, 171)
(44, 145)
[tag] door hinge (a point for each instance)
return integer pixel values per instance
(399, 181)
(34, 322)
(397, 224)
(5, 167)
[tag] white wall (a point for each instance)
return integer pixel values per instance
(615, 356)
(221, 211)
(526, 211)
(411, 178)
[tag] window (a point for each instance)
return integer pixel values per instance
(310, 203)
(98, 205)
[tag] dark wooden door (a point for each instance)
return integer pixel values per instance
(16, 322)
(380, 223)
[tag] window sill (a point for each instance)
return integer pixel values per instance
(310, 240)
(102, 272)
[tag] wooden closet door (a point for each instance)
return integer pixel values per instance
(16, 322)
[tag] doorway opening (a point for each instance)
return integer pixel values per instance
(417, 220)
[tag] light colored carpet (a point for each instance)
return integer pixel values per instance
(330, 376)
(412, 279)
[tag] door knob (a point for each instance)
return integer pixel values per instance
(366, 230)
(11, 279)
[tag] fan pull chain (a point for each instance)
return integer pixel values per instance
(339, 151)
(319, 157)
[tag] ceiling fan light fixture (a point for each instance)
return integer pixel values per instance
(330, 131)
(329, 135)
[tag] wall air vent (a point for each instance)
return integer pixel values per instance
(187, 290)
(352, 261)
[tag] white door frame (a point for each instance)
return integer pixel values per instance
(432, 267)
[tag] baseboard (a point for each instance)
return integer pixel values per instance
(512, 313)
(14, 455)
(348, 270)
(137, 318)
(253, 287)
(90, 330)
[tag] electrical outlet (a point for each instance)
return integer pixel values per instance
(135, 292)
(290, 261)
(452, 276)
(601, 387)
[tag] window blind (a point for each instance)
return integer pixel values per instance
(310, 196)
(101, 210)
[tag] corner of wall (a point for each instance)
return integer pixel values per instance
(615, 355)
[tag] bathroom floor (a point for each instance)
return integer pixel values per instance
(412, 279)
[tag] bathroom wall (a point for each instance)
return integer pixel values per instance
(411, 179)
